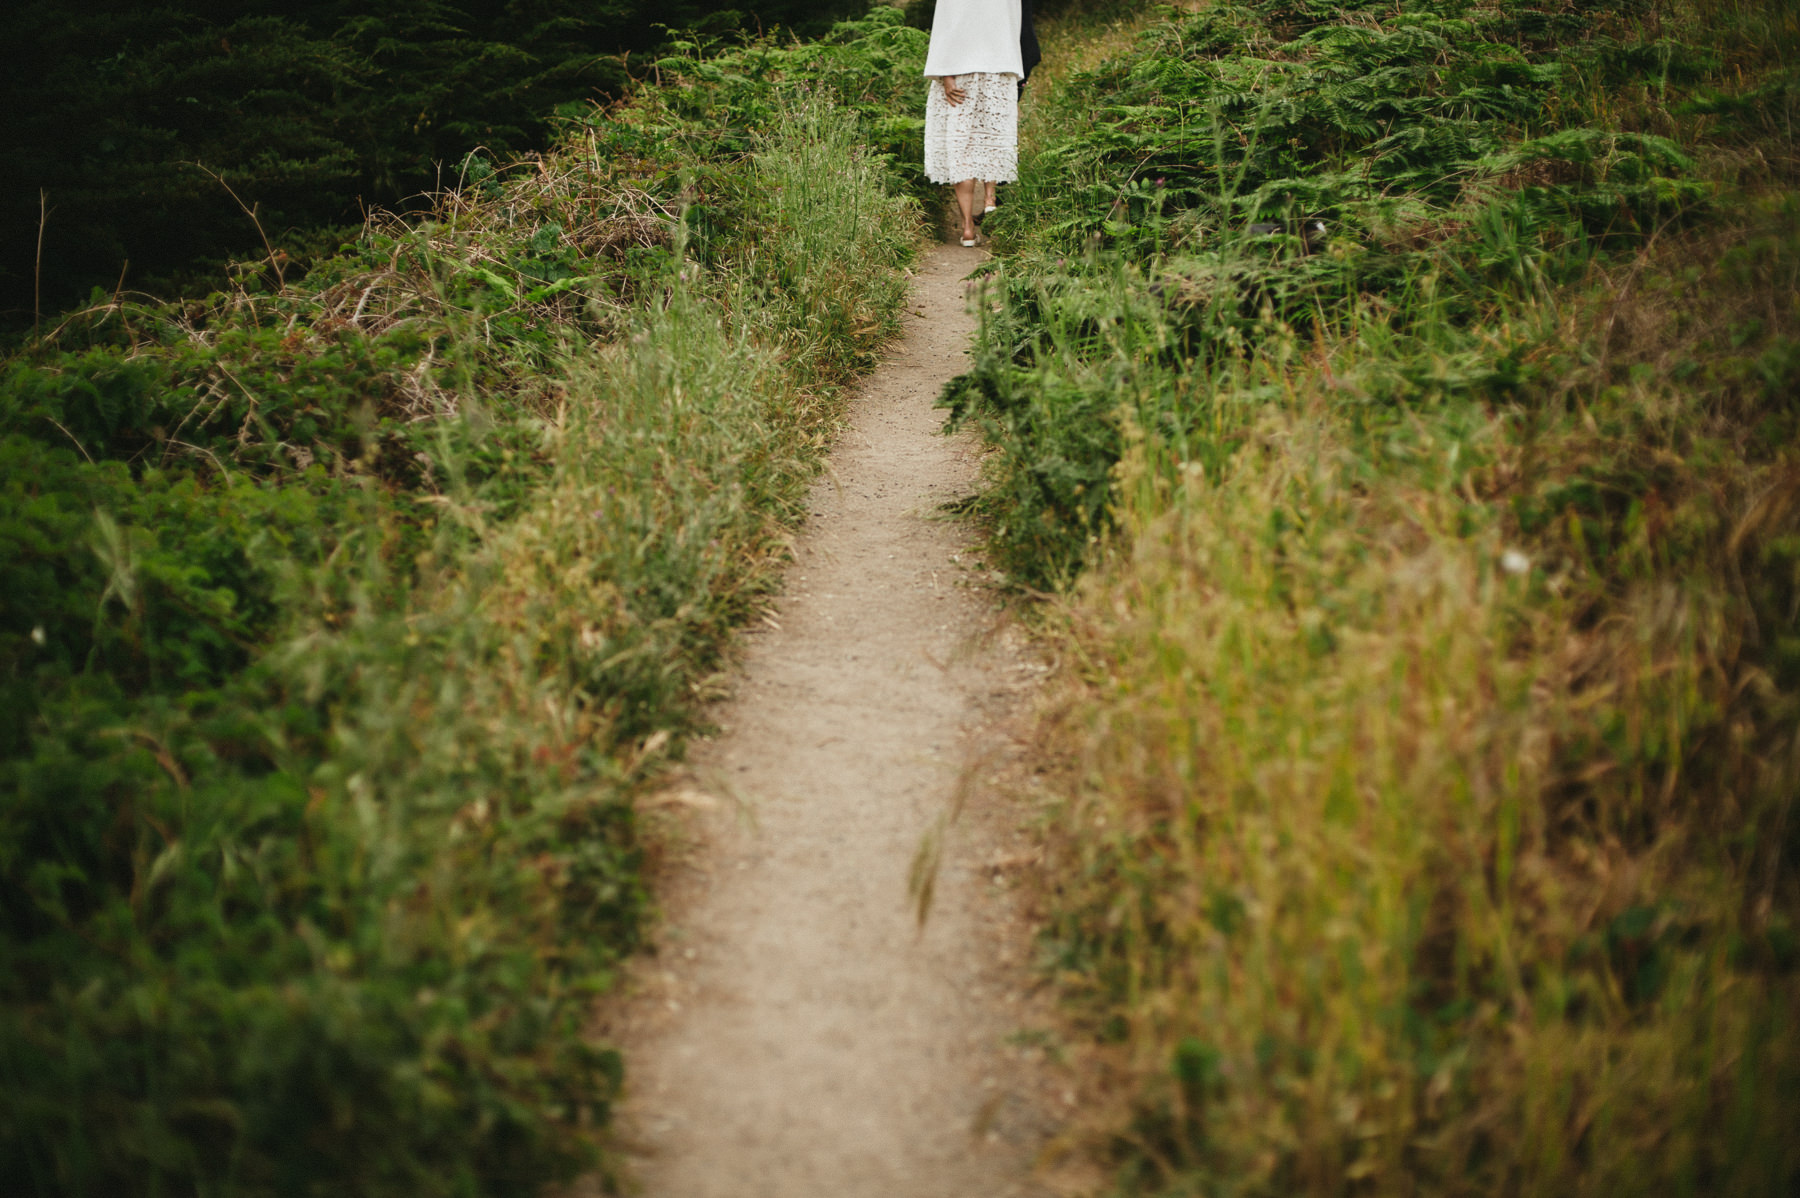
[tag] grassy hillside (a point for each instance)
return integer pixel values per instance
(344, 620)
(1430, 732)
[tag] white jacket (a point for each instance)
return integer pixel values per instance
(975, 35)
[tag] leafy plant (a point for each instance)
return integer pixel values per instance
(344, 620)
(1426, 582)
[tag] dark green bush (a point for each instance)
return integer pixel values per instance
(342, 620)
(308, 112)
(1388, 154)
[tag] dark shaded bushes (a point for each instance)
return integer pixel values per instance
(311, 113)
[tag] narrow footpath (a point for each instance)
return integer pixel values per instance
(798, 1035)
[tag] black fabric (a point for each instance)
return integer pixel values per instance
(1028, 47)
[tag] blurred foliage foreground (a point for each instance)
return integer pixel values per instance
(1430, 735)
(135, 130)
(341, 623)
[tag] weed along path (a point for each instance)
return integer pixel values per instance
(798, 1035)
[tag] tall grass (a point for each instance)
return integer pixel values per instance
(1416, 872)
(316, 837)
(1429, 743)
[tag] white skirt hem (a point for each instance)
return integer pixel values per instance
(977, 139)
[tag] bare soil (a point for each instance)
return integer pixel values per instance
(797, 1033)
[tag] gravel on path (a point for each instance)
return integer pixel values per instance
(798, 1035)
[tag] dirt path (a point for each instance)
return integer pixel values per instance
(797, 1035)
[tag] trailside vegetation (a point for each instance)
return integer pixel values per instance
(144, 136)
(344, 622)
(1404, 399)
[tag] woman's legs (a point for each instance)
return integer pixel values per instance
(991, 200)
(965, 199)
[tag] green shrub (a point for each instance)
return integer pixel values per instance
(1427, 739)
(1413, 145)
(342, 624)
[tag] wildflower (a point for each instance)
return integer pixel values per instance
(1514, 562)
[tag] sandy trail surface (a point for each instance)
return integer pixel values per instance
(797, 1035)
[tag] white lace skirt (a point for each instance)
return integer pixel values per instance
(977, 139)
